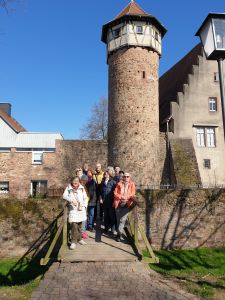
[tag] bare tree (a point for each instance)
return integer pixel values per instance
(5, 4)
(97, 125)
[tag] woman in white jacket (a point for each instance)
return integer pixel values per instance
(76, 195)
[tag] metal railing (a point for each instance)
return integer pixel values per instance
(179, 187)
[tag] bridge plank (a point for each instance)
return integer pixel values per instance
(99, 248)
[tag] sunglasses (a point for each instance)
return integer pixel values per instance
(126, 176)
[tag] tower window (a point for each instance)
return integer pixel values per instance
(216, 76)
(139, 29)
(116, 33)
(143, 75)
(207, 163)
(4, 187)
(156, 36)
(212, 104)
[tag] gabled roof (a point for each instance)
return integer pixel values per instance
(11, 122)
(171, 82)
(132, 9)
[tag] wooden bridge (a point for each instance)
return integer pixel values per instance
(102, 247)
(104, 269)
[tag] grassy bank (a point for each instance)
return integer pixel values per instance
(200, 271)
(18, 278)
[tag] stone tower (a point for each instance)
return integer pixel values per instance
(133, 41)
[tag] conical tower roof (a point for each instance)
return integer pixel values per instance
(131, 12)
(132, 9)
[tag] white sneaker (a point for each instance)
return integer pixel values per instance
(73, 246)
(82, 242)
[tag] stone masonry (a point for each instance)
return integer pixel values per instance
(57, 167)
(134, 113)
(17, 168)
(182, 219)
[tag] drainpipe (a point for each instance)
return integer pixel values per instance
(168, 148)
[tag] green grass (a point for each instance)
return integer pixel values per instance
(18, 277)
(201, 271)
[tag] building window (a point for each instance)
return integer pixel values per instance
(4, 187)
(212, 104)
(116, 33)
(5, 150)
(139, 29)
(35, 149)
(37, 158)
(207, 163)
(216, 76)
(210, 137)
(39, 188)
(201, 137)
(206, 137)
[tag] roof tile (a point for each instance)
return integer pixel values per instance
(132, 9)
(12, 122)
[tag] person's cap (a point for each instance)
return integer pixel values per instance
(84, 177)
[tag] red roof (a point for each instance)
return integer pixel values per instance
(11, 122)
(132, 9)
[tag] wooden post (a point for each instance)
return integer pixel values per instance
(135, 225)
(65, 233)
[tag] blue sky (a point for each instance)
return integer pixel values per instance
(53, 63)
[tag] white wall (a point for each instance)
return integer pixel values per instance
(192, 109)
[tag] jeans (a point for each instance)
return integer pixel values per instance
(84, 225)
(90, 219)
(121, 217)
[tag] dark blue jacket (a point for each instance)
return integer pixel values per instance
(107, 191)
(117, 178)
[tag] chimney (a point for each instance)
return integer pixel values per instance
(6, 107)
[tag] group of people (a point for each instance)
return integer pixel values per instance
(112, 191)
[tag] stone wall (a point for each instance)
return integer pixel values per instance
(74, 153)
(176, 219)
(134, 113)
(24, 222)
(173, 219)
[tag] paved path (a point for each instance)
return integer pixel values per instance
(106, 281)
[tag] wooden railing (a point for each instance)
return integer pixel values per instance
(62, 228)
(138, 233)
(135, 229)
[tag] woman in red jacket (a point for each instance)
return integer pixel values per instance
(123, 199)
